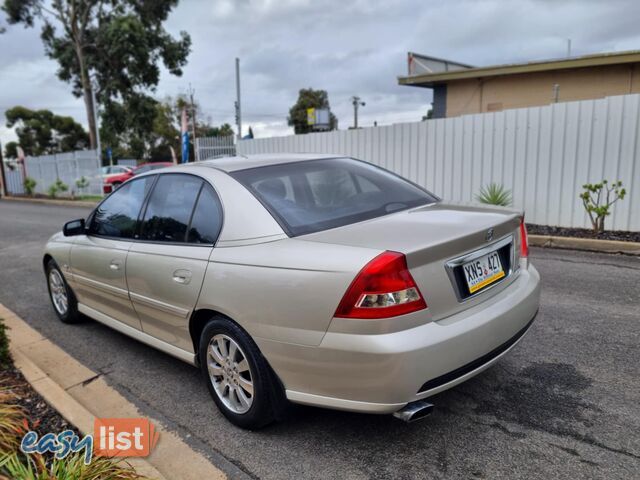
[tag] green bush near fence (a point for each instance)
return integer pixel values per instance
(29, 186)
(58, 187)
(81, 184)
(598, 198)
(495, 194)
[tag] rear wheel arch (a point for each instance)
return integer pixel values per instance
(200, 318)
(197, 322)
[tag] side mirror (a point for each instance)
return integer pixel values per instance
(74, 227)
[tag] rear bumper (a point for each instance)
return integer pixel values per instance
(382, 373)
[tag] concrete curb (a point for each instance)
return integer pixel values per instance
(80, 395)
(587, 244)
(46, 201)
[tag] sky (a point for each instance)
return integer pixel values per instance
(347, 47)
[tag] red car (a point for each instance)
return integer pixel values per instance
(113, 181)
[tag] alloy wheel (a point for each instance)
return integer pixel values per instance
(230, 373)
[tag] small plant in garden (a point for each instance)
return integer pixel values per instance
(598, 198)
(11, 422)
(14, 424)
(37, 467)
(57, 187)
(495, 194)
(29, 186)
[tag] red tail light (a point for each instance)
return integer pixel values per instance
(384, 288)
(524, 240)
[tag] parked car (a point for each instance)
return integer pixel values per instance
(113, 181)
(114, 170)
(323, 280)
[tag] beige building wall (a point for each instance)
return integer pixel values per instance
(533, 89)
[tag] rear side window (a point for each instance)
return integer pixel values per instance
(206, 222)
(310, 196)
(117, 216)
(170, 206)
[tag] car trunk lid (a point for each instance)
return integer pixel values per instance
(431, 237)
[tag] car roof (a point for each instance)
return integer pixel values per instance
(232, 164)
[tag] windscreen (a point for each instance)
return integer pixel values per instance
(310, 196)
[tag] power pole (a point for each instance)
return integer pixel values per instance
(95, 121)
(193, 123)
(238, 106)
(568, 47)
(357, 103)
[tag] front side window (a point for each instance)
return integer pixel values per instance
(310, 196)
(117, 216)
(170, 206)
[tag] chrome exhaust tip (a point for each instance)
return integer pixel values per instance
(414, 411)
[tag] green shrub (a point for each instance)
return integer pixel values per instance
(5, 359)
(494, 194)
(82, 183)
(598, 199)
(36, 467)
(14, 464)
(29, 186)
(12, 418)
(57, 187)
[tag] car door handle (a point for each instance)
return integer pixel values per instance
(115, 265)
(182, 277)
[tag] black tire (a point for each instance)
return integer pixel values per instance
(71, 315)
(268, 395)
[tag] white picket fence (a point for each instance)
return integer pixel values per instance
(68, 167)
(542, 154)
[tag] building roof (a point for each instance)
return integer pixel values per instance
(438, 78)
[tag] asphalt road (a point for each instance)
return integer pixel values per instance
(565, 403)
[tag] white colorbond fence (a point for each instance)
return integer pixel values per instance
(213, 147)
(543, 154)
(14, 179)
(68, 167)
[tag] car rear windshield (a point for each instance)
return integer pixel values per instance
(314, 195)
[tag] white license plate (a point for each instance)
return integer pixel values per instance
(483, 271)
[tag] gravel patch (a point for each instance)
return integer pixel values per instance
(41, 416)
